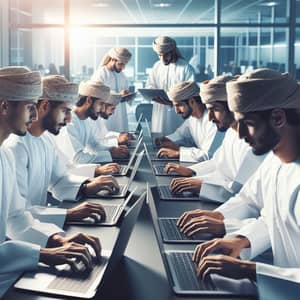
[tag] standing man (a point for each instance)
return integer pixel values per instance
(167, 72)
(111, 74)
(19, 89)
(196, 128)
(266, 106)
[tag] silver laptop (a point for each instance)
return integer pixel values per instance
(113, 213)
(125, 168)
(59, 281)
(123, 187)
(132, 143)
(164, 190)
(158, 170)
(138, 126)
(182, 271)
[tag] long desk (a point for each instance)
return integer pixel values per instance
(140, 274)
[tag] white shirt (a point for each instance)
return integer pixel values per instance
(84, 138)
(39, 170)
(105, 137)
(117, 82)
(164, 119)
(87, 170)
(202, 133)
(15, 256)
(230, 167)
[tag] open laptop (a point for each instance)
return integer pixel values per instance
(113, 213)
(170, 232)
(164, 190)
(125, 168)
(138, 126)
(158, 170)
(123, 187)
(182, 271)
(132, 143)
(59, 281)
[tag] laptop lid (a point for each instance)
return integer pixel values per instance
(46, 280)
(135, 151)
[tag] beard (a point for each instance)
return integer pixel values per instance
(49, 124)
(187, 114)
(91, 114)
(265, 143)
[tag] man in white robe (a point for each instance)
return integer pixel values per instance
(232, 164)
(266, 107)
(19, 89)
(111, 74)
(196, 128)
(83, 130)
(41, 168)
(165, 73)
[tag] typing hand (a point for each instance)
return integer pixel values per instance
(107, 169)
(188, 215)
(180, 185)
(226, 266)
(178, 169)
(231, 246)
(107, 183)
(119, 152)
(85, 210)
(168, 153)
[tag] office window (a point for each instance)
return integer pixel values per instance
(253, 11)
(297, 11)
(39, 49)
(141, 12)
(250, 48)
(41, 11)
(297, 51)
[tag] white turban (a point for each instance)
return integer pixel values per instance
(95, 89)
(215, 89)
(19, 84)
(263, 89)
(163, 44)
(120, 54)
(183, 91)
(58, 88)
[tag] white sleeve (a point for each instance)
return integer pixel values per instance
(189, 73)
(181, 133)
(87, 170)
(291, 274)
(82, 154)
(192, 154)
(151, 83)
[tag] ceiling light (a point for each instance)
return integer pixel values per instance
(100, 4)
(272, 3)
(162, 5)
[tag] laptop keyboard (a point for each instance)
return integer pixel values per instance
(160, 170)
(170, 231)
(78, 283)
(186, 272)
(165, 193)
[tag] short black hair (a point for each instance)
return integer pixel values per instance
(82, 100)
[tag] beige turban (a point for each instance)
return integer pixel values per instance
(263, 89)
(58, 88)
(183, 91)
(120, 54)
(163, 44)
(215, 89)
(95, 89)
(19, 84)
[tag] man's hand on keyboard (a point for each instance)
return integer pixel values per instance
(107, 183)
(180, 185)
(178, 169)
(204, 224)
(57, 240)
(197, 213)
(165, 152)
(226, 266)
(107, 169)
(231, 246)
(71, 253)
(119, 152)
(86, 210)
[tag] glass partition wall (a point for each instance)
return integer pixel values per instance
(216, 36)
